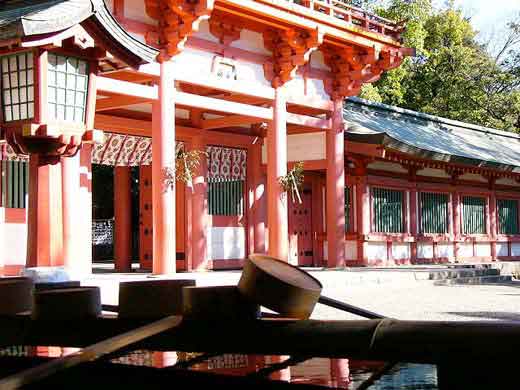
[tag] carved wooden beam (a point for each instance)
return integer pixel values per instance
(225, 30)
(342, 83)
(291, 49)
(177, 20)
(351, 68)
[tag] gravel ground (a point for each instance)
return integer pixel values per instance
(423, 301)
(395, 297)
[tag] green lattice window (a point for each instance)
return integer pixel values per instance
(225, 197)
(388, 210)
(507, 210)
(473, 215)
(348, 208)
(67, 91)
(18, 86)
(434, 212)
(14, 184)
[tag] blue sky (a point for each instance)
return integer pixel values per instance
(489, 16)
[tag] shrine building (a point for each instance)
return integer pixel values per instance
(256, 87)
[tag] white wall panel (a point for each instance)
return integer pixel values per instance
(465, 249)
(204, 33)
(376, 251)
(483, 249)
(400, 251)
(135, 9)
(515, 249)
(15, 243)
(302, 147)
(445, 250)
(351, 250)
(226, 243)
(502, 249)
(251, 41)
(317, 60)
(424, 250)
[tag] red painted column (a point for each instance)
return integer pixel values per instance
(199, 210)
(456, 223)
(258, 198)
(83, 260)
(122, 219)
(363, 217)
(336, 188)
(413, 225)
(280, 375)
(163, 155)
(340, 373)
(44, 220)
(71, 206)
(493, 222)
(277, 217)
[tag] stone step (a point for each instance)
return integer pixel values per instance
(475, 280)
(463, 273)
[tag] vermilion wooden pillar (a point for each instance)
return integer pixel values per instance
(277, 166)
(71, 206)
(363, 217)
(258, 201)
(336, 188)
(493, 231)
(163, 155)
(83, 256)
(199, 210)
(413, 225)
(456, 223)
(122, 219)
(339, 373)
(45, 234)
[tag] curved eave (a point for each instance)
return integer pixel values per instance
(28, 19)
(393, 144)
(106, 30)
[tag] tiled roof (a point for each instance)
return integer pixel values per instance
(22, 18)
(431, 137)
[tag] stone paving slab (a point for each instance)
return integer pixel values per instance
(409, 295)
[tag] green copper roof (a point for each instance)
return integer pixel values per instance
(22, 18)
(431, 137)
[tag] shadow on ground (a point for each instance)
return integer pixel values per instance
(488, 315)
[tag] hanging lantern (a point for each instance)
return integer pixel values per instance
(44, 101)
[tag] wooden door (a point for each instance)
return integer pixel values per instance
(300, 230)
(145, 217)
(146, 220)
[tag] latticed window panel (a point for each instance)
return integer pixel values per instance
(14, 184)
(473, 215)
(507, 210)
(348, 208)
(225, 197)
(67, 90)
(434, 212)
(18, 86)
(388, 210)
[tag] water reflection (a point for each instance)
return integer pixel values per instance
(337, 373)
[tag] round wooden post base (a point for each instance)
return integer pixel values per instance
(222, 302)
(151, 298)
(16, 295)
(67, 303)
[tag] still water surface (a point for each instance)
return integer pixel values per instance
(338, 373)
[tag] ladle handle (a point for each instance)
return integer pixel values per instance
(349, 308)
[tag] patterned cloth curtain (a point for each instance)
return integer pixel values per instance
(124, 150)
(226, 163)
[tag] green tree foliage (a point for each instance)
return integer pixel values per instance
(453, 75)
